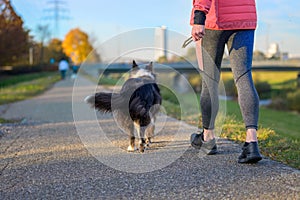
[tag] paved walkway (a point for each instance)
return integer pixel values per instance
(49, 156)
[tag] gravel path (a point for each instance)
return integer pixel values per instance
(49, 156)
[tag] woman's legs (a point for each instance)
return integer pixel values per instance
(240, 47)
(213, 44)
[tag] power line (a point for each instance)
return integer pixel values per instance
(56, 12)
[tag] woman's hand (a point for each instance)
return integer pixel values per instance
(198, 31)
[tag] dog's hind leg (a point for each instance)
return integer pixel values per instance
(131, 147)
(141, 135)
(151, 126)
(149, 133)
(142, 139)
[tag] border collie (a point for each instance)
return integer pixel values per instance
(135, 106)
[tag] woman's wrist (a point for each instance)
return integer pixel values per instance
(199, 17)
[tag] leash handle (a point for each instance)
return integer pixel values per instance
(187, 42)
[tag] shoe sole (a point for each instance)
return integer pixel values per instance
(196, 146)
(250, 160)
(203, 149)
(206, 151)
(214, 152)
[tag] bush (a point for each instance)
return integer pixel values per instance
(15, 79)
(230, 88)
(26, 69)
(168, 95)
(263, 89)
(196, 82)
(279, 104)
(293, 99)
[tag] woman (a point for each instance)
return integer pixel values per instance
(214, 24)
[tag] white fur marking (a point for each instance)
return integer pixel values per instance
(88, 98)
(143, 72)
(131, 148)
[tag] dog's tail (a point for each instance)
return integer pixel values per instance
(103, 101)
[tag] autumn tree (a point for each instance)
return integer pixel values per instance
(13, 37)
(54, 50)
(76, 45)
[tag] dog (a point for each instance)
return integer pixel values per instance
(135, 106)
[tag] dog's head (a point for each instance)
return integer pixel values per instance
(146, 72)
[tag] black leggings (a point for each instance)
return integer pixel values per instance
(240, 48)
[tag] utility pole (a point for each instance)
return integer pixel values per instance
(56, 12)
(30, 56)
(268, 37)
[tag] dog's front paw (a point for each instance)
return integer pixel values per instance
(131, 148)
(142, 148)
(148, 142)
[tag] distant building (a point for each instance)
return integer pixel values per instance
(284, 56)
(273, 51)
(160, 42)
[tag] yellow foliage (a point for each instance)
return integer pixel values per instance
(55, 44)
(76, 45)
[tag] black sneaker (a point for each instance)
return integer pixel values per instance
(250, 153)
(209, 147)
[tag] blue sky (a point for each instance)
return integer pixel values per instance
(103, 19)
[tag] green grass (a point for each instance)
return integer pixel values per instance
(271, 77)
(282, 122)
(283, 140)
(108, 81)
(5, 121)
(21, 87)
(13, 80)
(278, 133)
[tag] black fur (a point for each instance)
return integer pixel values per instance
(138, 100)
(101, 101)
(142, 100)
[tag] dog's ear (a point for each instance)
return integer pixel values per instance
(149, 67)
(134, 65)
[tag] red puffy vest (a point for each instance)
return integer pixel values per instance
(227, 14)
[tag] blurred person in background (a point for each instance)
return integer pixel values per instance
(63, 67)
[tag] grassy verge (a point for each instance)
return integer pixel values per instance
(4, 121)
(271, 77)
(103, 80)
(283, 123)
(281, 148)
(278, 132)
(21, 87)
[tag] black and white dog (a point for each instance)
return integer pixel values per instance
(135, 106)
